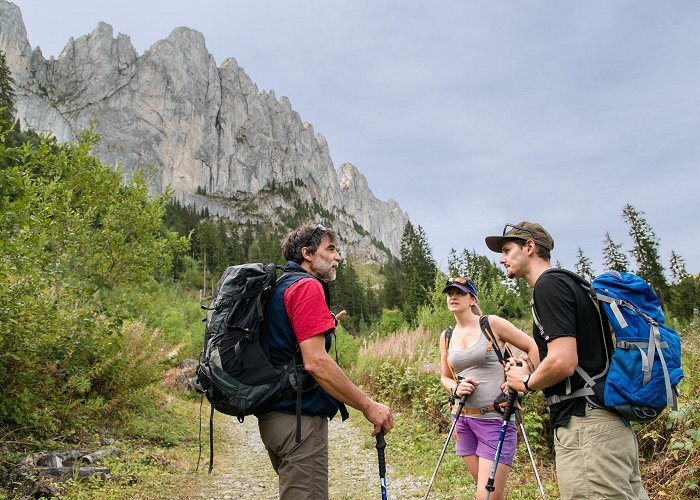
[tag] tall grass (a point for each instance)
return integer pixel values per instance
(401, 370)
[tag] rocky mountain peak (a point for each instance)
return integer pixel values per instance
(206, 131)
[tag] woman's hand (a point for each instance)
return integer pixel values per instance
(466, 386)
(526, 361)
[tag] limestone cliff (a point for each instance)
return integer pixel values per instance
(207, 131)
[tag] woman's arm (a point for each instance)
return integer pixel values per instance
(506, 331)
(446, 377)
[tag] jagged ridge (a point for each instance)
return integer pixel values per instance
(207, 131)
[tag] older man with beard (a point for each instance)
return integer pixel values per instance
(300, 326)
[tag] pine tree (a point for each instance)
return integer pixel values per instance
(7, 93)
(407, 242)
(373, 306)
(347, 294)
(584, 266)
(677, 268)
(684, 292)
(614, 259)
(392, 293)
(418, 270)
(426, 263)
(646, 249)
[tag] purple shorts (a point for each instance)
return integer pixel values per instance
(479, 436)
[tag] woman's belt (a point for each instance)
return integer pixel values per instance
(482, 410)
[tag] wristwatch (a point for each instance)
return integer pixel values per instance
(525, 379)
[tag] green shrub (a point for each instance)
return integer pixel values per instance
(391, 321)
(72, 234)
(537, 424)
(348, 348)
(434, 316)
(401, 370)
(670, 446)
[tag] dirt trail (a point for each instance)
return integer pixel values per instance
(242, 468)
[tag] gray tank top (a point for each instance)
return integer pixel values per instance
(479, 362)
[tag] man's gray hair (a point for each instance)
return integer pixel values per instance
(306, 236)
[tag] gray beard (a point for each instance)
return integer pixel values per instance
(327, 274)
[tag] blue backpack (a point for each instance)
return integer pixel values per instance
(645, 367)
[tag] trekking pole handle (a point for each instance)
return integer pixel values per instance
(510, 407)
(381, 444)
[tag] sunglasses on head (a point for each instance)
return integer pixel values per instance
(508, 227)
(462, 282)
(319, 227)
(457, 281)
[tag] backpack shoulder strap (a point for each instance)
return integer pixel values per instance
(448, 337)
(491, 338)
(585, 284)
(289, 273)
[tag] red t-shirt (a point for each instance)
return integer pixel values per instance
(307, 310)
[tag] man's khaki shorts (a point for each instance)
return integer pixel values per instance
(597, 458)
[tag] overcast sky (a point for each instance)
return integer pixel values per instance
(469, 114)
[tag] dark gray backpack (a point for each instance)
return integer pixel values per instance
(235, 373)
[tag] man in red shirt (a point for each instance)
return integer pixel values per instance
(300, 324)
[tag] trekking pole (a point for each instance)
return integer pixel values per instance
(507, 412)
(519, 419)
(381, 444)
(462, 402)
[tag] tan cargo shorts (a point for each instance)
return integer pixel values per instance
(597, 457)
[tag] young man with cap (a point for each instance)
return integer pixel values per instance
(596, 451)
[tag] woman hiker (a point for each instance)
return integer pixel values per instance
(469, 365)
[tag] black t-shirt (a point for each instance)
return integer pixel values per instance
(566, 310)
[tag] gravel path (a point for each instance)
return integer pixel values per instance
(242, 468)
